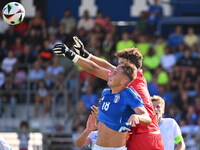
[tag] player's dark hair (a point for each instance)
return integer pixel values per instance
(24, 123)
(132, 55)
(129, 71)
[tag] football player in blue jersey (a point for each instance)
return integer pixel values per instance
(117, 113)
(120, 109)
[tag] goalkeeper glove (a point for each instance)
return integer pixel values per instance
(62, 49)
(79, 48)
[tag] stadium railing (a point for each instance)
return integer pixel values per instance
(45, 125)
(176, 21)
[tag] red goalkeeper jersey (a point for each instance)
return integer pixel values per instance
(140, 85)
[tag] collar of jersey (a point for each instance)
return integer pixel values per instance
(110, 91)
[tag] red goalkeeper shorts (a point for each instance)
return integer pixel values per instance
(145, 141)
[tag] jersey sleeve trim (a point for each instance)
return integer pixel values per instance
(135, 95)
(89, 146)
(90, 143)
(178, 139)
(132, 92)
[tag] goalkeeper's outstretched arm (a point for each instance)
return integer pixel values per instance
(93, 68)
(103, 63)
(79, 48)
(87, 65)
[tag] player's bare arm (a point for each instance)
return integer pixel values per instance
(141, 116)
(83, 139)
(181, 145)
(87, 65)
(79, 47)
(93, 68)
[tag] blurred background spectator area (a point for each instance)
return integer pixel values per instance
(54, 96)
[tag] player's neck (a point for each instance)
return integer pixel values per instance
(118, 89)
(159, 120)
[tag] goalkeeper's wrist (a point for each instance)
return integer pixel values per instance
(75, 59)
(86, 54)
(89, 56)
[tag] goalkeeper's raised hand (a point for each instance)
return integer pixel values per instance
(63, 50)
(79, 48)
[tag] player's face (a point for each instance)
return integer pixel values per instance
(115, 77)
(158, 109)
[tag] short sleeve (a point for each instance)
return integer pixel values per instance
(92, 137)
(176, 132)
(133, 98)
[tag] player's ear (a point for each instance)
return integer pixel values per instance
(124, 81)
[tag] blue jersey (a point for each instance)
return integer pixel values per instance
(116, 109)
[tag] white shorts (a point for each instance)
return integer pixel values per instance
(96, 147)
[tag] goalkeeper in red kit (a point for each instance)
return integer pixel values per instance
(141, 137)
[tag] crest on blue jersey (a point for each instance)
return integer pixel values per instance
(117, 97)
